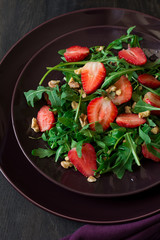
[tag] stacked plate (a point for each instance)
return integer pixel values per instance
(44, 182)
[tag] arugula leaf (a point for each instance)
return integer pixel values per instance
(59, 151)
(155, 91)
(66, 121)
(124, 161)
(129, 30)
(143, 133)
(61, 52)
(34, 95)
(114, 76)
(98, 127)
(142, 106)
(153, 150)
(42, 153)
(79, 148)
(132, 145)
(151, 123)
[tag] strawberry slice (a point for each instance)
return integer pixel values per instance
(92, 76)
(148, 154)
(45, 119)
(102, 110)
(126, 91)
(129, 120)
(76, 53)
(153, 100)
(86, 164)
(133, 55)
(149, 81)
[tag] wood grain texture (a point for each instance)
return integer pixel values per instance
(19, 219)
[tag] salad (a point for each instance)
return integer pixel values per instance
(103, 116)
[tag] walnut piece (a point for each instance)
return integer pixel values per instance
(67, 159)
(155, 130)
(74, 105)
(78, 71)
(144, 114)
(91, 179)
(112, 88)
(99, 49)
(134, 104)
(118, 92)
(53, 83)
(84, 95)
(73, 84)
(83, 120)
(34, 125)
(128, 109)
(66, 164)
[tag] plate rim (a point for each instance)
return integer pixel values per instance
(3, 171)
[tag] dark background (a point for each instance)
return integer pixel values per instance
(19, 219)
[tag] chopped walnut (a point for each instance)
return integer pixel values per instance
(83, 120)
(155, 130)
(73, 84)
(74, 105)
(34, 125)
(67, 159)
(140, 88)
(53, 83)
(84, 95)
(78, 71)
(144, 114)
(134, 104)
(128, 109)
(99, 49)
(118, 92)
(66, 164)
(112, 88)
(91, 179)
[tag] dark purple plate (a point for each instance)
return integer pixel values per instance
(14, 165)
(140, 179)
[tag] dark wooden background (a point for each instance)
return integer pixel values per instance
(19, 219)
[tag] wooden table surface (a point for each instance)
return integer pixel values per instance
(20, 219)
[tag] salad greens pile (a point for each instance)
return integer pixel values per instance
(117, 149)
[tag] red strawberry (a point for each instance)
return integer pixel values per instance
(126, 91)
(133, 55)
(45, 119)
(148, 154)
(92, 76)
(153, 100)
(129, 120)
(102, 110)
(76, 53)
(149, 81)
(87, 162)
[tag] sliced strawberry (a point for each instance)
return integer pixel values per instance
(148, 154)
(45, 119)
(153, 100)
(129, 120)
(92, 76)
(133, 55)
(101, 110)
(126, 91)
(86, 164)
(149, 81)
(76, 53)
